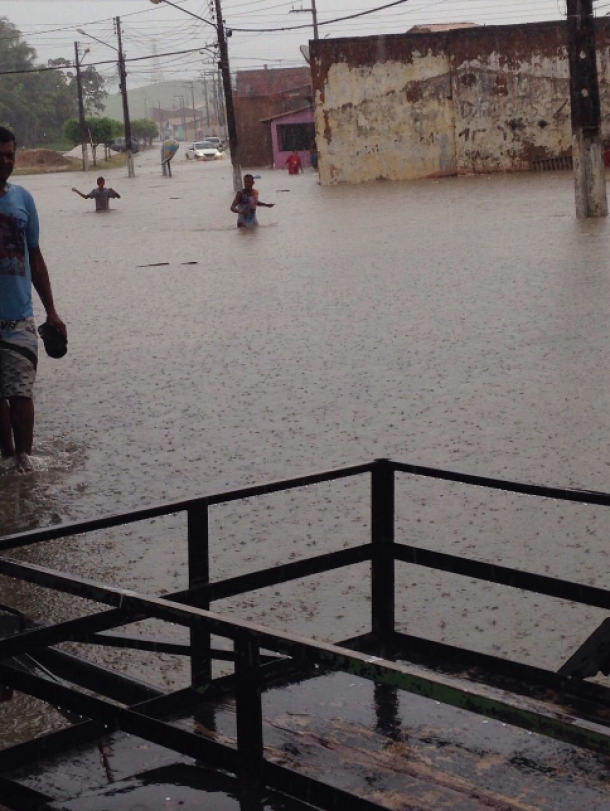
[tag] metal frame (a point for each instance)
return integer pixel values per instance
(532, 700)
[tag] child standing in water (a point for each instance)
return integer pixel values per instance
(246, 202)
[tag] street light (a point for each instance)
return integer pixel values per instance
(86, 34)
(226, 81)
(123, 83)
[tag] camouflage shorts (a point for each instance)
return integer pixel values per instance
(18, 358)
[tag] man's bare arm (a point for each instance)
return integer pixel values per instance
(42, 285)
(84, 196)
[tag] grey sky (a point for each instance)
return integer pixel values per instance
(147, 27)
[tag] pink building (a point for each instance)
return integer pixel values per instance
(290, 132)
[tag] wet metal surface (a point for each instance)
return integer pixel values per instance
(179, 787)
(459, 323)
(382, 745)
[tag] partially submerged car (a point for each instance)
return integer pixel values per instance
(203, 151)
(218, 142)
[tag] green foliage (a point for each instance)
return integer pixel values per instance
(99, 131)
(72, 130)
(145, 129)
(36, 105)
(93, 89)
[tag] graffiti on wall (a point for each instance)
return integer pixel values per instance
(477, 100)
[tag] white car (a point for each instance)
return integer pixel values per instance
(203, 151)
(217, 142)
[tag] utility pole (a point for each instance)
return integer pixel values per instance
(225, 71)
(123, 82)
(587, 148)
(314, 13)
(222, 117)
(207, 103)
(81, 109)
(214, 77)
(182, 116)
(194, 112)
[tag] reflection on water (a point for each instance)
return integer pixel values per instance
(459, 323)
(29, 500)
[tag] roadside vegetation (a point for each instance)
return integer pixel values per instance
(36, 105)
(41, 107)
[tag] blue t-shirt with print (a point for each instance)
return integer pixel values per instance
(19, 232)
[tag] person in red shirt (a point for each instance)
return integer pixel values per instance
(293, 162)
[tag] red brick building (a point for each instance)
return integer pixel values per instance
(267, 81)
(259, 96)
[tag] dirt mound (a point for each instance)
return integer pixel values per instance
(41, 158)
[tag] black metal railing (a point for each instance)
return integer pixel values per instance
(191, 608)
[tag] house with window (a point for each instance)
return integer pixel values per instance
(292, 132)
(260, 96)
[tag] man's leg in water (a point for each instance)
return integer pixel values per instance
(22, 419)
(7, 448)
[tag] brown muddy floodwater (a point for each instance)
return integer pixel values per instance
(462, 323)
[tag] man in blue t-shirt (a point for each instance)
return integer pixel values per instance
(21, 266)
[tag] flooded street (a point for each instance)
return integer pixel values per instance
(461, 323)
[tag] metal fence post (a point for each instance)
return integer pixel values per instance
(382, 538)
(199, 575)
(249, 709)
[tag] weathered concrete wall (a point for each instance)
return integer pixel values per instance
(383, 112)
(511, 96)
(603, 73)
(418, 105)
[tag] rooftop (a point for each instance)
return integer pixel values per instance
(434, 27)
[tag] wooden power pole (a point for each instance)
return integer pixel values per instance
(314, 15)
(81, 109)
(587, 147)
(225, 72)
(123, 83)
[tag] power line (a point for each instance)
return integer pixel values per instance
(103, 20)
(326, 22)
(70, 65)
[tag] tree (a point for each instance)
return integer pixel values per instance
(34, 104)
(145, 129)
(100, 131)
(92, 82)
(37, 104)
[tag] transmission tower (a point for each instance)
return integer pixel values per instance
(156, 75)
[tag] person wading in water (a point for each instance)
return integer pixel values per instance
(246, 202)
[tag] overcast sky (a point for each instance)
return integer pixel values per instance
(50, 27)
